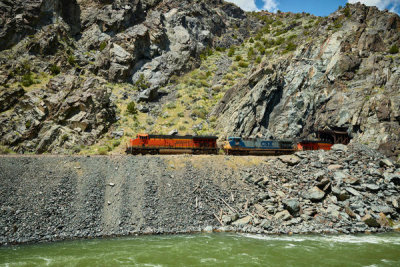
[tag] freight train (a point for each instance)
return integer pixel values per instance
(188, 144)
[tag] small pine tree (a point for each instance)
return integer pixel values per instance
(231, 51)
(131, 108)
(394, 49)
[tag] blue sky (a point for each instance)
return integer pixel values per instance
(316, 7)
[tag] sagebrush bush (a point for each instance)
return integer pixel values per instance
(394, 49)
(238, 58)
(131, 108)
(231, 51)
(71, 60)
(55, 70)
(102, 46)
(27, 80)
(141, 83)
(243, 64)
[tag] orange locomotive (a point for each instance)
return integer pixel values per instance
(314, 145)
(172, 144)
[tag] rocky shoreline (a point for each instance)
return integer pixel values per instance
(347, 190)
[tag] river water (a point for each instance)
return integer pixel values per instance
(212, 250)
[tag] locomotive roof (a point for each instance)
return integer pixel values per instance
(260, 138)
(183, 136)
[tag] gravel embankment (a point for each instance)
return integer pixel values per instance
(48, 198)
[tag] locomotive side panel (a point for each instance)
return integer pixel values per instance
(156, 144)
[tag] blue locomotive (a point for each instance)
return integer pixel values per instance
(258, 146)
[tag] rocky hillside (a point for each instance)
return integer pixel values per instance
(83, 76)
(342, 73)
(60, 61)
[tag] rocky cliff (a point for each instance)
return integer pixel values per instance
(70, 70)
(58, 56)
(340, 76)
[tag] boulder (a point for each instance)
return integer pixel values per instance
(173, 132)
(315, 194)
(353, 191)
(370, 220)
(292, 205)
(385, 209)
(290, 160)
(242, 221)
(339, 148)
(283, 215)
(351, 180)
(386, 163)
(148, 94)
(349, 212)
(335, 167)
(371, 187)
(227, 219)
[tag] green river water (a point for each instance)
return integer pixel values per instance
(212, 250)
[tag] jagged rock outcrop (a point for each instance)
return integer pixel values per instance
(20, 18)
(69, 111)
(342, 78)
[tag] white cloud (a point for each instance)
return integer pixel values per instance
(245, 4)
(270, 5)
(381, 4)
(250, 5)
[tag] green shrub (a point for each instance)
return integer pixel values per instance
(280, 32)
(116, 143)
(26, 66)
(347, 12)
(291, 37)
(5, 150)
(141, 83)
(102, 46)
(102, 150)
(199, 112)
(280, 41)
(231, 51)
(394, 49)
(290, 47)
(238, 58)
(55, 70)
(131, 108)
(251, 40)
(182, 128)
(181, 114)
(277, 23)
(171, 106)
(64, 137)
(261, 50)
(250, 52)
(71, 60)
(258, 60)
(204, 83)
(243, 64)
(27, 80)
